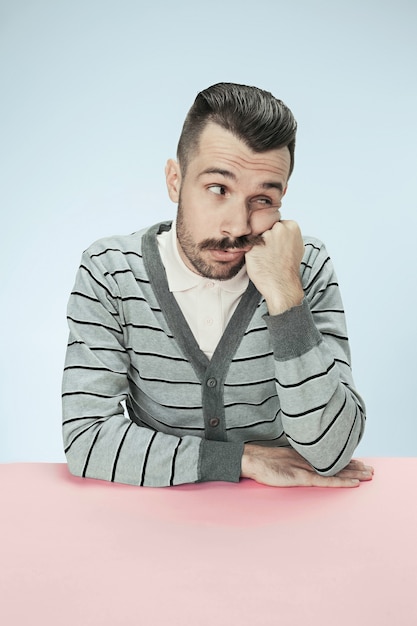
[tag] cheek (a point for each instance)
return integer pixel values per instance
(261, 221)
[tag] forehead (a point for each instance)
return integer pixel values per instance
(219, 147)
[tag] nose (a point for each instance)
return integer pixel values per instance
(235, 222)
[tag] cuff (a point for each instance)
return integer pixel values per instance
(293, 333)
(220, 460)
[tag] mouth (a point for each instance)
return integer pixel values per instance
(227, 256)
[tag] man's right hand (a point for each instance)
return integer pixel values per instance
(284, 467)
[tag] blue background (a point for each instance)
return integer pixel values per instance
(93, 96)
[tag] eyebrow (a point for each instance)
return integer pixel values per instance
(218, 170)
(232, 176)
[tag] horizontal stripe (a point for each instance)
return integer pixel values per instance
(252, 358)
(116, 272)
(252, 424)
(326, 289)
(304, 413)
(105, 349)
(308, 244)
(163, 380)
(138, 299)
(253, 441)
(256, 330)
(96, 369)
(343, 362)
(124, 252)
(97, 324)
(300, 383)
(84, 417)
(319, 311)
(176, 407)
(142, 411)
(158, 356)
(87, 393)
(251, 384)
(147, 327)
(84, 295)
(264, 401)
(329, 334)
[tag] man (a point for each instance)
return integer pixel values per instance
(222, 333)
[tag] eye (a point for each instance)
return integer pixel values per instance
(219, 190)
(261, 203)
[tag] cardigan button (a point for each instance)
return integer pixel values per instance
(211, 382)
(214, 421)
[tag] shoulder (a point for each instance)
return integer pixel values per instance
(314, 250)
(121, 249)
(119, 244)
(312, 243)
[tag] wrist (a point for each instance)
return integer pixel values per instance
(246, 464)
(278, 303)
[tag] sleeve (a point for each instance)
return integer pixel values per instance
(323, 416)
(100, 439)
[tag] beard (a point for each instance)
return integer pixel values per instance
(217, 270)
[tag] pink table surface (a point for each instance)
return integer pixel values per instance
(85, 552)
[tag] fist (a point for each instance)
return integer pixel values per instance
(274, 267)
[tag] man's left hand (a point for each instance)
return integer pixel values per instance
(274, 268)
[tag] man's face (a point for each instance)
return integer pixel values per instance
(227, 198)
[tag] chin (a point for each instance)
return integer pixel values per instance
(220, 271)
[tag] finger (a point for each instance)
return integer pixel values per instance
(333, 481)
(358, 474)
(359, 465)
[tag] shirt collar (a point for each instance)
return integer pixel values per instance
(181, 278)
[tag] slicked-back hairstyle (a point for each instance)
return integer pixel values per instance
(253, 115)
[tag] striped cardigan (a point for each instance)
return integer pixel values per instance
(143, 405)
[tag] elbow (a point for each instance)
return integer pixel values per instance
(73, 464)
(343, 458)
(73, 457)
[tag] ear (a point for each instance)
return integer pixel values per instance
(173, 179)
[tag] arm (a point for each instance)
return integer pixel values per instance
(322, 415)
(100, 440)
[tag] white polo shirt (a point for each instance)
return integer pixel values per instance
(207, 304)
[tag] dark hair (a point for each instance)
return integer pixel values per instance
(253, 115)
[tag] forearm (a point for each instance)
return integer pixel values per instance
(117, 450)
(322, 415)
(102, 442)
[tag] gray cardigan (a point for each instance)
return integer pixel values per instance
(143, 405)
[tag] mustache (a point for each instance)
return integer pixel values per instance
(226, 243)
